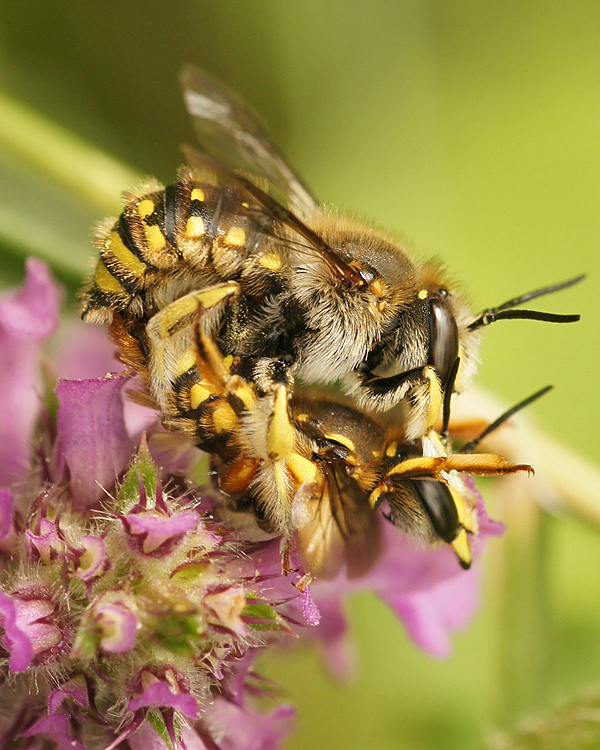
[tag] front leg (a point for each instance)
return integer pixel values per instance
(421, 387)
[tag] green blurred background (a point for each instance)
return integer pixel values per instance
(471, 127)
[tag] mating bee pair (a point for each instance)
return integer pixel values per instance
(224, 288)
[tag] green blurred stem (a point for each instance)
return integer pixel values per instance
(20, 238)
(63, 156)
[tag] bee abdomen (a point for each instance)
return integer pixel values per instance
(166, 243)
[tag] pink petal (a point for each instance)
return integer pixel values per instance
(6, 512)
(19, 645)
(92, 435)
(159, 694)
(431, 616)
(55, 728)
(27, 316)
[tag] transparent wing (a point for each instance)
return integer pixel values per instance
(335, 526)
(268, 208)
(230, 132)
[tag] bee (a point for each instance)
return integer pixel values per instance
(314, 468)
(286, 287)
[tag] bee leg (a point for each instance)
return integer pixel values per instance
(171, 335)
(422, 388)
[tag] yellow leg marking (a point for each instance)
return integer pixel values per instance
(235, 237)
(464, 516)
(211, 363)
(270, 261)
(342, 439)
(145, 208)
(415, 467)
(198, 395)
(374, 496)
(186, 361)
(301, 468)
(175, 312)
(212, 296)
(436, 398)
(224, 418)
(165, 320)
(281, 482)
(391, 448)
(124, 255)
(461, 547)
(194, 227)
(155, 238)
(484, 464)
(280, 435)
(245, 395)
(197, 194)
(105, 281)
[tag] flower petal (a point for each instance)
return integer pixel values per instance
(55, 728)
(431, 616)
(6, 512)
(27, 316)
(92, 435)
(159, 694)
(236, 728)
(21, 648)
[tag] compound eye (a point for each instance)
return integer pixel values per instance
(443, 339)
(440, 506)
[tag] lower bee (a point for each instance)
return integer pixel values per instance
(286, 285)
(315, 469)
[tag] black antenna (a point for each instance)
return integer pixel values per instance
(505, 311)
(470, 447)
(447, 396)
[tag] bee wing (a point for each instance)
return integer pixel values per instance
(335, 525)
(307, 241)
(230, 132)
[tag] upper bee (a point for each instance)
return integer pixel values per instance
(318, 296)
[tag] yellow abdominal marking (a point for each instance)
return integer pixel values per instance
(123, 254)
(155, 238)
(105, 281)
(145, 208)
(186, 361)
(224, 418)
(391, 449)
(194, 226)
(235, 236)
(198, 394)
(345, 441)
(302, 469)
(423, 294)
(197, 194)
(270, 261)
